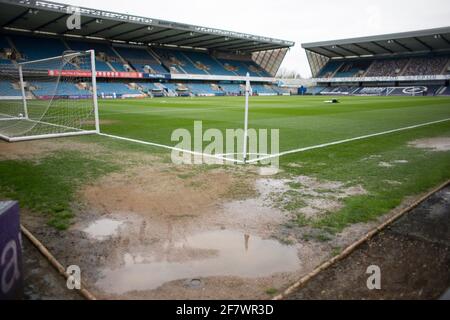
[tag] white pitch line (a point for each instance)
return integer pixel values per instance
(346, 141)
(171, 148)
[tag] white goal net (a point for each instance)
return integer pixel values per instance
(47, 98)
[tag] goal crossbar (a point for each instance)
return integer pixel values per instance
(45, 106)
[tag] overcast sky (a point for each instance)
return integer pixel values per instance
(294, 20)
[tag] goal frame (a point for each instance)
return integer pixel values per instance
(77, 131)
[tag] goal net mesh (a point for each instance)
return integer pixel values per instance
(55, 98)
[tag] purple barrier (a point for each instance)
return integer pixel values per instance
(11, 270)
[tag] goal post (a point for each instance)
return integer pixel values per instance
(49, 98)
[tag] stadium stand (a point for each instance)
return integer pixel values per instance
(5, 50)
(387, 68)
(411, 63)
(353, 69)
(231, 89)
(207, 63)
(200, 89)
(109, 88)
(141, 60)
(7, 89)
(103, 53)
(426, 66)
(263, 89)
(190, 61)
(42, 88)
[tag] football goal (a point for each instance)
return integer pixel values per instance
(49, 98)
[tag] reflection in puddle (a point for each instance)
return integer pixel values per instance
(102, 229)
(228, 254)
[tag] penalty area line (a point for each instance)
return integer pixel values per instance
(172, 148)
(320, 146)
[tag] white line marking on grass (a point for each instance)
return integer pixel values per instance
(172, 148)
(346, 141)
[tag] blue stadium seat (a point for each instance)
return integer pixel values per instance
(139, 58)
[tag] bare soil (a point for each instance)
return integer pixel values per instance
(156, 217)
(413, 254)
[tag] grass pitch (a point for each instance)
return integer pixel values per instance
(386, 166)
(302, 121)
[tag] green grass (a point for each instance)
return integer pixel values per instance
(49, 185)
(272, 291)
(302, 121)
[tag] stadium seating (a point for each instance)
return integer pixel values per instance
(177, 62)
(204, 89)
(43, 88)
(231, 89)
(139, 59)
(178, 89)
(212, 66)
(4, 45)
(263, 89)
(426, 66)
(7, 89)
(100, 49)
(353, 69)
(48, 47)
(390, 67)
(387, 68)
(329, 69)
(108, 88)
(316, 90)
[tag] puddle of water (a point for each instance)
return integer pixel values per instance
(103, 229)
(433, 144)
(228, 253)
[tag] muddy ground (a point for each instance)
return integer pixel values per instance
(157, 231)
(41, 280)
(413, 254)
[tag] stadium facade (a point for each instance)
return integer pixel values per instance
(410, 63)
(136, 56)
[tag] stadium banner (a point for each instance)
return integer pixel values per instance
(385, 79)
(11, 269)
(220, 78)
(100, 74)
(166, 76)
(65, 97)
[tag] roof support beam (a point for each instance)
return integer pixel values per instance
(251, 47)
(228, 44)
(189, 42)
(364, 48)
(332, 52)
(423, 43)
(104, 29)
(20, 16)
(143, 38)
(127, 32)
(170, 37)
(382, 47)
(256, 49)
(50, 22)
(317, 52)
(445, 39)
(402, 45)
(348, 50)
